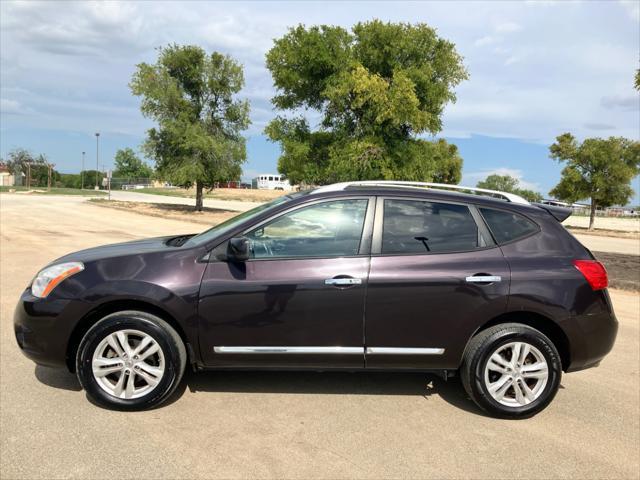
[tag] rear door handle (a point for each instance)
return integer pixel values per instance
(483, 279)
(343, 281)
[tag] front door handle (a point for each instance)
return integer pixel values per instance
(483, 279)
(343, 281)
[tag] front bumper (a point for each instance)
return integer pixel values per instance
(43, 328)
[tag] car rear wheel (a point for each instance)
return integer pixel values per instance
(130, 360)
(511, 370)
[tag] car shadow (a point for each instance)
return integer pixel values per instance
(310, 383)
(179, 208)
(57, 378)
(331, 383)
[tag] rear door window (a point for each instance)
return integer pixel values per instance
(507, 226)
(415, 226)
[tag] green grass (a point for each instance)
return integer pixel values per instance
(55, 191)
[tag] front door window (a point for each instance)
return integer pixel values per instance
(327, 229)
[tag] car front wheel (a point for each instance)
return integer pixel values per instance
(130, 360)
(511, 370)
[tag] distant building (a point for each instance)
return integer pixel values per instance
(271, 181)
(7, 179)
(584, 209)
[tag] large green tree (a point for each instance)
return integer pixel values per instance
(507, 183)
(128, 165)
(598, 169)
(192, 97)
(377, 89)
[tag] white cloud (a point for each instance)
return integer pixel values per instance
(499, 30)
(512, 59)
(8, 106)
(630, 102)
(599, 126)
(508, 27)
(633, 8)
(486, 40)
(533, 75)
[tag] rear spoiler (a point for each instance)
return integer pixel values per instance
(559, 213)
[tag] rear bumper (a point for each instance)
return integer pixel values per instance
(591, 337)
(42, 329)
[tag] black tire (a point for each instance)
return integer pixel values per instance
(169, 341)
(480, 349)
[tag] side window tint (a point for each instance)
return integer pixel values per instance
(507, 226)
(328, 229)
(419, 227)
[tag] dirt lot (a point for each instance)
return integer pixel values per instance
(245, 195)
(289, 425)
(208, 216)
(625, 224)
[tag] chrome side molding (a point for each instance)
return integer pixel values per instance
(296, 350)
(403, 351)
(330, 350)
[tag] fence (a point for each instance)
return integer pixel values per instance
(134, 183)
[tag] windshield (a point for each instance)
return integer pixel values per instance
(233, 222)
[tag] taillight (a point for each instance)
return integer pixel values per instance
(594, 272)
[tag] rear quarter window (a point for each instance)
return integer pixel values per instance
(507, 226)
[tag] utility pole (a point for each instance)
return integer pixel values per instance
(97, 138)
(109, 183)
(50, 167)
(82, 174)
(28, 175)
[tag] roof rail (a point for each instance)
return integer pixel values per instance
(510, 197)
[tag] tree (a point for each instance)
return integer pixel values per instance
(90, 178)
(377, 88)
(70, 180)
(507, 183)
(599, 169)
(192, 97)
(18, 161)
(128, 165)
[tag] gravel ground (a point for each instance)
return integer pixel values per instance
(289, 425)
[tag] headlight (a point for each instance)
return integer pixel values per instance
(51, 276)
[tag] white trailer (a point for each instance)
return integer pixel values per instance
(271, 181)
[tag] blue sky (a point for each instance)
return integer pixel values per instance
(537, 69)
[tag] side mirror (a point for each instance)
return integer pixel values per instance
(239, 249)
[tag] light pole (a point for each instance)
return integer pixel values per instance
(50, 168)
(82, 174)
(97, 138)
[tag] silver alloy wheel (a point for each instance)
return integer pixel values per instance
(516, 374)
(128, 364)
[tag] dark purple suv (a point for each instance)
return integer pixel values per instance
(355, 276)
